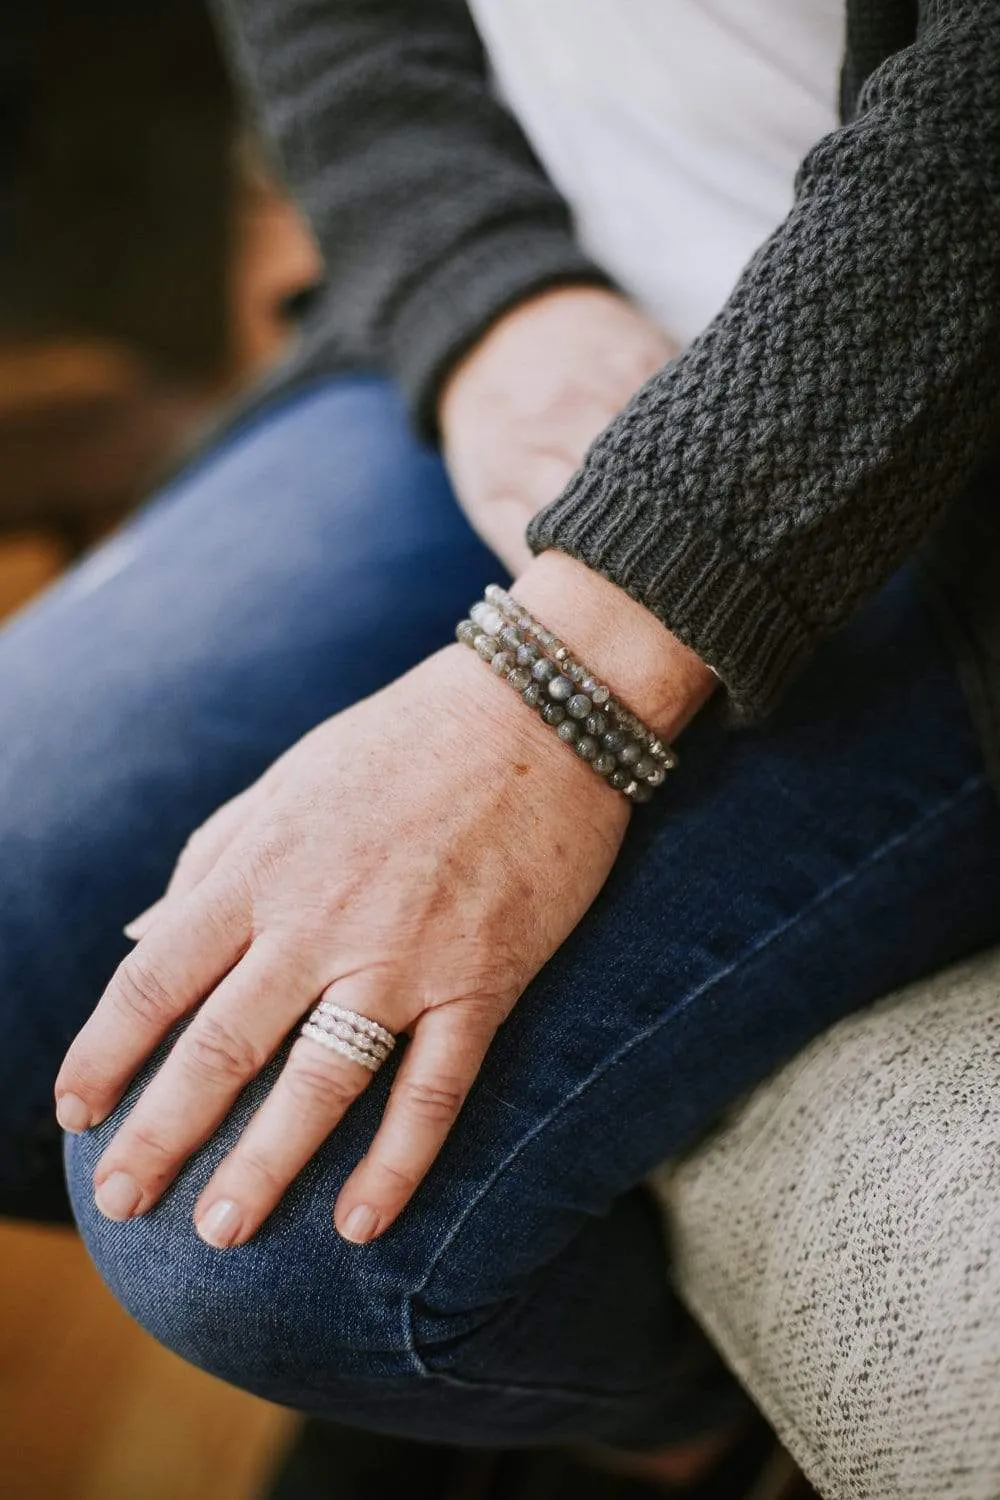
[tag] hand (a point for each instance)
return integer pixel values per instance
(411, 853)
(519, 412)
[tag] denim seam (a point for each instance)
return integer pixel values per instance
(973, 784)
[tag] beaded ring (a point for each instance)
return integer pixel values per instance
(571, 700)
(351, 1034)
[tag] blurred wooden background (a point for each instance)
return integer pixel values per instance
(149, 264)
(92, 1409)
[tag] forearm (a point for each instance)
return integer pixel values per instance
(431, 211)
(755, 492)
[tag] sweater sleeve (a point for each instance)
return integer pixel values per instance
(763, 485)
(432, 213)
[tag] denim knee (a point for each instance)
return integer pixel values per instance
(296, 1315)
(358, 1334)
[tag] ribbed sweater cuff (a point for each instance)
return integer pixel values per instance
(450, 307)
(711, 598)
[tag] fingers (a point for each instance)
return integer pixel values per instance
(230, 1039)
(446, 1054)
(314, 1090)
(196, 861)
(179, 961)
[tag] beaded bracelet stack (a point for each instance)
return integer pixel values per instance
(582, 710)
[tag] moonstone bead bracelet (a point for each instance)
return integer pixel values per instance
(516, 614)
(582, 710)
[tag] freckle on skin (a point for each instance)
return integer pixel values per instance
(520, 769)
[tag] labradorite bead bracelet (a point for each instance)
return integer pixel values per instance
(582, 710)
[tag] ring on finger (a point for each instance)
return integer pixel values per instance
(350, 1033)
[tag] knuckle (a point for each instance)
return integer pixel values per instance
(147, 1157)
(195, 847)
(138, 992)
(404, 1182)
(81, 1072)
(261, 1171)
(315, 1089)
(435, 1103)
(149, 1142)
(219, 1053)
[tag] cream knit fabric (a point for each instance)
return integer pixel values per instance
(840, 1240)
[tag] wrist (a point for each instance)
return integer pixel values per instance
(622, 642)
(515, 744)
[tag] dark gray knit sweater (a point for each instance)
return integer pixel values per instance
(842, 403)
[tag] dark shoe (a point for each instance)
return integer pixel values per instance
(756, 1468)
(329, 1462)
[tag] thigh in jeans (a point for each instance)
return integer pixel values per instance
(312, 558)
(788, 875)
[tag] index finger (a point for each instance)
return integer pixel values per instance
(175, 966)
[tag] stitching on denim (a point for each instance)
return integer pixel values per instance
(973, 784)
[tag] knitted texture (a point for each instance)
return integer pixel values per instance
(764, 484)
(839, 1237)
(760, 488)
(430, 208)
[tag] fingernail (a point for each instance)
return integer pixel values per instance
(220, 1225)
(360, 1224)
(118, 1196)
(72, 1114)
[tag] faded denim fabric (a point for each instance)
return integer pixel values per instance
(786, 876)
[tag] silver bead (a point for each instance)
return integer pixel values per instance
(553, 713)
(657, 776)
(510, 637)
(527, 654)
(486, 646)
(502, 663)
(532, 694)
(644, 766)
(561, 689)
(601, 695)
(579, 706)
(568, 731)
(519, 678)
(630, 754)
(466, 632)
(543, 671)
(590, 685)
(604, 763)
(586, 747)
(561, 654)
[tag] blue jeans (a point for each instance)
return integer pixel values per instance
(788, 875)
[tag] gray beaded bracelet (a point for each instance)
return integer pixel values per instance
(582, 710)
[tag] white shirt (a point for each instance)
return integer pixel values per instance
(672, 127)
